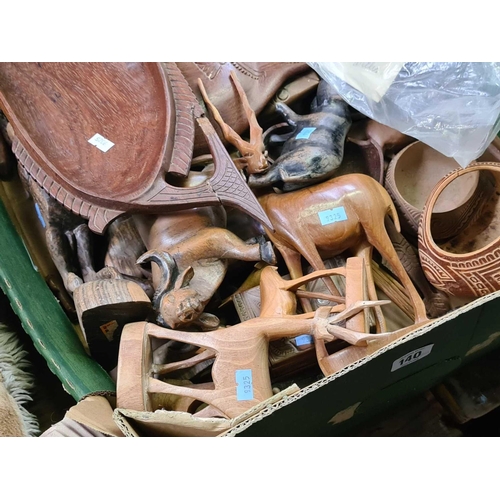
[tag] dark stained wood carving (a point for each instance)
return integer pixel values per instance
(314, 149)
(147, 111)
(7, 160)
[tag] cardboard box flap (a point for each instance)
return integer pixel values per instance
(162, 423)
(95, 412)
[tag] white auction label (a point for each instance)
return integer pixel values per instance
(101, 143)
(412, 357)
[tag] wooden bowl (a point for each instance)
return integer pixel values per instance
(412, 175)
(467, 265)
(377, 142)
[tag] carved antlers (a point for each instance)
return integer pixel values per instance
(254, 156)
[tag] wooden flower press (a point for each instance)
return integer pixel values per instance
(101, 137)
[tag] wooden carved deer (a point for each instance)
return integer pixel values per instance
(240, 372)
(344, 213)
(341, 214)
(254, 157)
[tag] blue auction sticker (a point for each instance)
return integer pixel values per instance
(303, 340)
(305, 133)
(244, 388)
(333, 215)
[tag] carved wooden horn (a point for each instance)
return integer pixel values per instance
(169, 272)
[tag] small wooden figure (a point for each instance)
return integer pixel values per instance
(312, 151)
(260, 81)
(254, 157)
(240, 372)
(356, 330)
(199, 246)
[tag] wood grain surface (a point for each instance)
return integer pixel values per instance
(146, 110)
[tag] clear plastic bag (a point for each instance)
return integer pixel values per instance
(454, 107)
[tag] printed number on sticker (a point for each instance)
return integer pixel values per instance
(101, 143)
(244, 385)
(332, 215)
(412, 357)
(247, 385)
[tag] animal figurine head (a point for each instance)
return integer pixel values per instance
(328, 98)
(176, 303)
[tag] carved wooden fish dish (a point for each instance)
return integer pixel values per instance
(144, 115)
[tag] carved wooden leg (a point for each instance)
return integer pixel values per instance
(186, 363)
(365, 251)
(60, 251)
(293, 260)
(235, 248)
(134, 361)
(383, 244)
(83, 249)
(355, 286)
(209, 396)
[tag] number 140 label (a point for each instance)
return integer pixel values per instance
(412, 357)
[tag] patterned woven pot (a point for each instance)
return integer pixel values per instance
(467, 265)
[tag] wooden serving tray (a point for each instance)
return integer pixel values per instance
(148, 112)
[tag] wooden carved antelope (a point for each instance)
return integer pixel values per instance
(340, 214)
(343, 213)
(240, 372)
(278, 298)
(254, 157)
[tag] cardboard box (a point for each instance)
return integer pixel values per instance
(327, 407)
